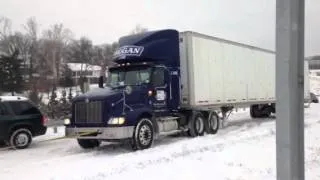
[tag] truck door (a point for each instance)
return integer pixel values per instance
(161, 84)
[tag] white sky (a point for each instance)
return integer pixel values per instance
(104, 21)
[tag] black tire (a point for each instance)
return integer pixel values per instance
(20, 138)
(143, 135)
(253, 111)
(88, 143)
(196, 125)
(212, 123)
(257, 112)
(266, 115)
(314, 98)
(2, 143)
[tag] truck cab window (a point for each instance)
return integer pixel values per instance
(134, 76)
(144, 76)
(158, 77)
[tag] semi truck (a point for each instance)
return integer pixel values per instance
(165, 82)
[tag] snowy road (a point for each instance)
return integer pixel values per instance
(245, 149)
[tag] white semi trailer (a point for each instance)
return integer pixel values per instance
(217, 73)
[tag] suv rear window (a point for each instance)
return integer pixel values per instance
(23, 108)
(4, 110)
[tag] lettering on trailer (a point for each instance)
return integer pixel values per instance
(129, 51)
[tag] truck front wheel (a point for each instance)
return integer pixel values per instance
(88, 143)
(143, 136)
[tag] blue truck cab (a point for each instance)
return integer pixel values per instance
(141, 98)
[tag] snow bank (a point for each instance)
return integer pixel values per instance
(75, 90)
(315, 84)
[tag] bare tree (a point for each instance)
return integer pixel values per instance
(44, 63)
(5, 35)
(81, 51)
(138, 29)
(13, 43)
(57, 38)
(31, 28)
(5, 28)
(103, 56)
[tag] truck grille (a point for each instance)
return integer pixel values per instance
(88, 112)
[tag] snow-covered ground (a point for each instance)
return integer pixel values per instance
(315, 85)
(244, 149)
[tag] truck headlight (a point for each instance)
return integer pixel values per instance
(116, 120)
(66, 121)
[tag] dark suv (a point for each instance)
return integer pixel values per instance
(20, 121)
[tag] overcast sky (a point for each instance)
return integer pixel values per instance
(104, 21)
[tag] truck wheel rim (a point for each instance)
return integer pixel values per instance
(145, 135)
(199, 125)
(22, 140)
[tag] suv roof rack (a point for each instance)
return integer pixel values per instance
(13, 98)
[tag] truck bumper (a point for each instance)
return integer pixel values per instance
(110, 133)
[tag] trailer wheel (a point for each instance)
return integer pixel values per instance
(88, 143)
(196, 125)
(212, 124)
(143, 135)
(256, 111)
(253, 111)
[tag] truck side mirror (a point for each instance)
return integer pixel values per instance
(101, 82)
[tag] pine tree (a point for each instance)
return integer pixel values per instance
(63, 98)
(53, 97)
(66, 80)
(70, 95)
(64, 106)
(10, 72)
(53, 105)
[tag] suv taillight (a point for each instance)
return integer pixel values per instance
(43, 120)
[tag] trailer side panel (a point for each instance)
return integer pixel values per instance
(220, 72)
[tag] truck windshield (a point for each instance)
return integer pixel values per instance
(123, 77)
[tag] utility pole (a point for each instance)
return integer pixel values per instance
(290, 89)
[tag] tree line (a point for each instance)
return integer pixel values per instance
(34, 60)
